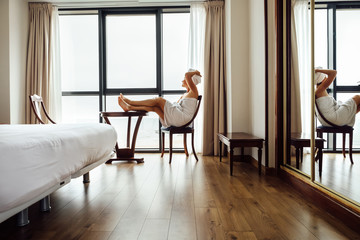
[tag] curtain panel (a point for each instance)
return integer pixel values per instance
(300, 41)
(196, 61)
(214, 76)
(295, 78)
(40, 71)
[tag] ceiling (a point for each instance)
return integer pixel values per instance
(113, 3)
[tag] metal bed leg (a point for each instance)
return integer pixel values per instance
(45, 204)
(22, 218)
(86, 177)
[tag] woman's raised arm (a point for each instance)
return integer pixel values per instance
(327, 81)
(190, 83)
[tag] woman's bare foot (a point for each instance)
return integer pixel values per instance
(126, 100)
(123, 104)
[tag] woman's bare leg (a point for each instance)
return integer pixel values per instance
(128, 107)
(155, 102)
(357, 101)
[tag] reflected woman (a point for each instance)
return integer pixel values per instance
(171, 114)
(336, 112)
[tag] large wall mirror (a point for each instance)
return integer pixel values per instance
(334, 45)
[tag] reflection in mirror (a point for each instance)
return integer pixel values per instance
(299, 87)
(338, 21)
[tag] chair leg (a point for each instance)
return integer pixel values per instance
(225, 150)
(163, 144)
(297, 153)
(220, 150)
(185, 146)
(193, 147)
(231, 160)
(343, 145)
(320, 134)
(320, 160)
(170, 150)
(350, 146)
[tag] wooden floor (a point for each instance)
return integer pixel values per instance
(184, 200)
(338, 173)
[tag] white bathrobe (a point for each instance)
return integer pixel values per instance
(336, 112)
(178, 114)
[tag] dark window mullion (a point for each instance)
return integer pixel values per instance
(348, 89)
(170, 92)
(159, 62)
(80, 93)
(332, 60)
(133, 91)
(102, 63)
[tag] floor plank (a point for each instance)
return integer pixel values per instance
(208, 224)
(182, 200)
(338, 173)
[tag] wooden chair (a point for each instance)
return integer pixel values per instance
(187, 128)
(38, 106)
(320, 130)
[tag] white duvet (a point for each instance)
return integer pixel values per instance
(33, 158)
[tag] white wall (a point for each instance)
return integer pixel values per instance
(18, 43)
(257, 71)
(245, 43)
(4, 62)
(13, 29)
(237, 60)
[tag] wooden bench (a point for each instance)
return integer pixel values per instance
(301, 140)
(240, 139)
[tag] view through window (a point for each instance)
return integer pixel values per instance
(336, 46)
(141, 54)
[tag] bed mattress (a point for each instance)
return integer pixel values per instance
(33, 158)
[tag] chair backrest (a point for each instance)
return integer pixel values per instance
(37, 104)
(196, 112)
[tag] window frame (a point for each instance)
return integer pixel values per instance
(103, 90)
(334, 89)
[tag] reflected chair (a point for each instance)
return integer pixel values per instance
(320, 130)
(187, 128)
(38, 107)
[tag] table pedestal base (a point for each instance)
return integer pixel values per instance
(138, 160)
(125, 154)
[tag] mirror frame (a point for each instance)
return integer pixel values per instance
(337, 205)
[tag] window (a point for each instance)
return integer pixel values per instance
(347, 46)
(131, 46)
(140, 52)
(337, 37)
(79, 52)
(342, 96)
(175, 44)
(79, 68)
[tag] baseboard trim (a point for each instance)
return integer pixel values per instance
(249, 159)
(349, 216)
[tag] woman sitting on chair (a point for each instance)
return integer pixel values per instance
(171, 114)
(335, 112)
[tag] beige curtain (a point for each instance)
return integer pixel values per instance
(295, 80)
(38, 55)
(214, 76)
(300, 42)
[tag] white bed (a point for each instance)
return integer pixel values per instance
(35, 160)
